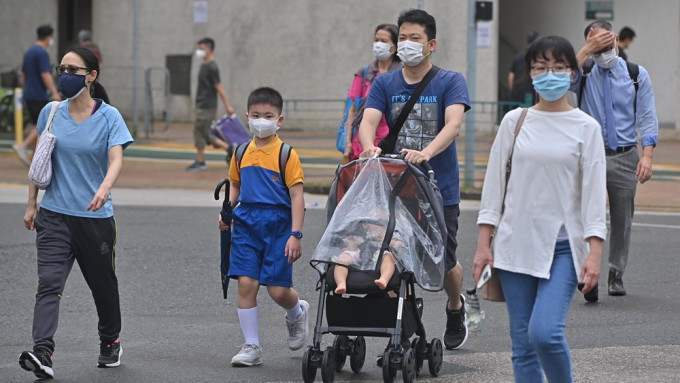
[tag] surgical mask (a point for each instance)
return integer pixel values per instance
(200, 53)
(410, 52)
(381, 50)
(551, 86)
(606, 60)
(262, 127)
(71, 85)
(51, 43)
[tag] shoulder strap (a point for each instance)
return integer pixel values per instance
(387, 143)
(633, 72)
(240, 151)
(55, 105)
(587, 67)
(508, 164)
(284, 155)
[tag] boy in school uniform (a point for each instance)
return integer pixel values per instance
(267, 225)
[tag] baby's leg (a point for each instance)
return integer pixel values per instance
(386, 270)
(340, 273)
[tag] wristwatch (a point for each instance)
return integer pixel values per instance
(296, 234)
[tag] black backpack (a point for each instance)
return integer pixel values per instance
(284, 155)
(633, 72)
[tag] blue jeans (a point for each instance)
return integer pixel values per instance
(538, 310)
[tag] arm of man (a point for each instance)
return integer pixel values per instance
(595, 42)
(367, 129)
(648, 124)
(453, 119)
(297, 201)
(49, 83)
(511, 80)
(223, 96)
(115, 165)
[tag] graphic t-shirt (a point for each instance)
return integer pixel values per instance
(389, 94)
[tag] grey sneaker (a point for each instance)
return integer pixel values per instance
(109, 354)
(196, 166)
(299, 330)
(22, 152)
(250, 355)
(39, 362)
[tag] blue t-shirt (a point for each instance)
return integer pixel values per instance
(389, 94)
(36, 62)
(80, 158)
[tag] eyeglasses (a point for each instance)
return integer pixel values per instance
(72, 69)
(543, 69)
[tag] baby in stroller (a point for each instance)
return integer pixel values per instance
(355, 246)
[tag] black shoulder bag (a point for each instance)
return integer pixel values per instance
(387, 143)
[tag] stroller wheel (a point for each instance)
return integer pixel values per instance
(358, 355)
(389, 372)
(328, 365)
(435, 356)
(418, 356)
(408, 366)
(308, 368)
(340, 345)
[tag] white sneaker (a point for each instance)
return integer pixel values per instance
(299, 330)
(22, 152)
(250, 355)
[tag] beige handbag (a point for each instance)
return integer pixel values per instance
(492, 290)
(40, 172)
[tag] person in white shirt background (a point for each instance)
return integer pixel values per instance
(551, 223)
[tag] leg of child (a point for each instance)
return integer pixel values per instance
(297, 314)
(340, 273)
(386, 270)
(247, 309)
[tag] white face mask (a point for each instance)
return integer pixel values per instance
(200, 53)
(51, 43)
(381, 50)
(262, 127)
(606, 60)
(410, 52)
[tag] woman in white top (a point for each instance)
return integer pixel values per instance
(551, 225)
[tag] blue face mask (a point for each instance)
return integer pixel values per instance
(551, 86)
(71, 85)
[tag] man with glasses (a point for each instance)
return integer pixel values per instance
(37, 81)
(619, 100)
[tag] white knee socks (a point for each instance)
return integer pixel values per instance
(249, 320)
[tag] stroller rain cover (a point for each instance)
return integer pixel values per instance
(385, 204)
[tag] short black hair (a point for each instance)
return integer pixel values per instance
(45, 31)
(266, 95)
(601, 24)
(626, 33)
(531, 37)
(210, 43)
(394, 35)
(418, 16)
(559, 47)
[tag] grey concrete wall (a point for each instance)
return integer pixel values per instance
(19, 20)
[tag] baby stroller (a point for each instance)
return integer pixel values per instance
(392, 193)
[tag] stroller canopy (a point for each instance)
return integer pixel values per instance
(383, 204)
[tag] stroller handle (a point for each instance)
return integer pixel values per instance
(425, 165)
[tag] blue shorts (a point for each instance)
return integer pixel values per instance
(258, 245)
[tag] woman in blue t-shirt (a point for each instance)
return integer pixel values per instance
(75, 220)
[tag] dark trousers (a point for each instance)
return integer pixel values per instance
(61, 240)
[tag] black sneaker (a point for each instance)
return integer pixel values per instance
(109, 354)
(39, 362)
(592, 295)
(230, 154)
(456, 332)
(196, 166)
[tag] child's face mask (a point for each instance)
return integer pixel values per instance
(261, 127)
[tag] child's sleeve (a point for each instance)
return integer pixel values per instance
(234, 176)
(294, 174)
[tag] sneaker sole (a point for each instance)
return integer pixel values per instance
(114, 364)
(29, 362)
(241, 363)
(295, 347)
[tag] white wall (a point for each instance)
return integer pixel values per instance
(656, 46)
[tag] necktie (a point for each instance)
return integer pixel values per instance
(610, 125)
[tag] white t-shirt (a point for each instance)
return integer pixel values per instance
(558, 179)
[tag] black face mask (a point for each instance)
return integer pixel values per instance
(71, 85)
